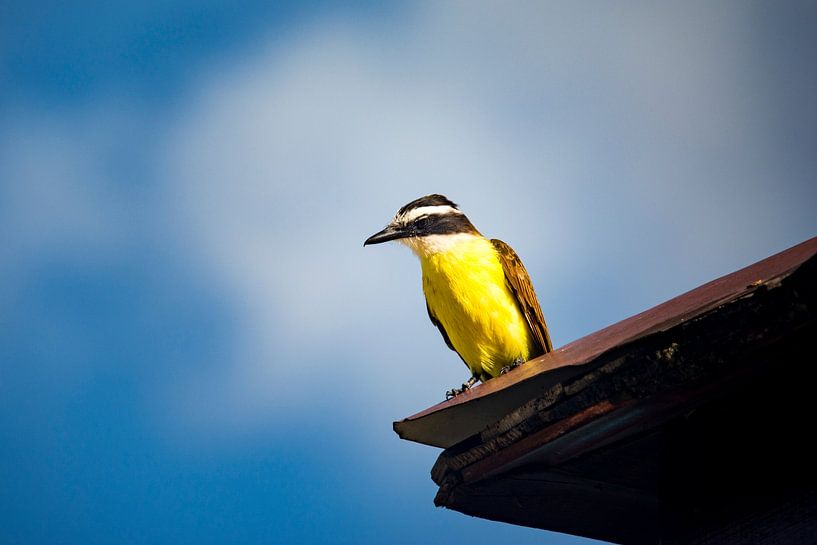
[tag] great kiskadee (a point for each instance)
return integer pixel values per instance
(477, 291)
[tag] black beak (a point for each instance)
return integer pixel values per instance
(389, 233)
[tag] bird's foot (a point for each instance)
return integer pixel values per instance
(517, 362)
(454, 392)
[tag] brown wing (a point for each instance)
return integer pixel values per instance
(522, 288)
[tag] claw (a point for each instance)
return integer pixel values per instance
(454, 392)
(516, 363)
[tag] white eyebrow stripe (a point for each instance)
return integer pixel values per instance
(415, 213)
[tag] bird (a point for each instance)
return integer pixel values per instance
(477, 291)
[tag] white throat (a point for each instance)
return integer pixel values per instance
(435, 244)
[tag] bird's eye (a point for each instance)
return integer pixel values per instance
(421, 222)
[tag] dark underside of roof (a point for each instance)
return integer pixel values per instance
(699, 431)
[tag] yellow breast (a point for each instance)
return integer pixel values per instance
(465, 288)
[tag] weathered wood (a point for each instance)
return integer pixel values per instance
(697, 430)
(631, 514)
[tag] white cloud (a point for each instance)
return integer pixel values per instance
(574, 134)
(283, 168)
(616, 147)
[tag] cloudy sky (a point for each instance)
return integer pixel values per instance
(195, 346)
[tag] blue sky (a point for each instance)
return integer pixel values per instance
(195, 347)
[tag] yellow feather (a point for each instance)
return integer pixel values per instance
(465, 289)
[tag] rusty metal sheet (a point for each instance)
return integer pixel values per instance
(450, 422)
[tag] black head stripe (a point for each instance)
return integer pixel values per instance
(444, 224)
(428, 200)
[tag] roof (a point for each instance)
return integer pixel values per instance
(576, 440)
